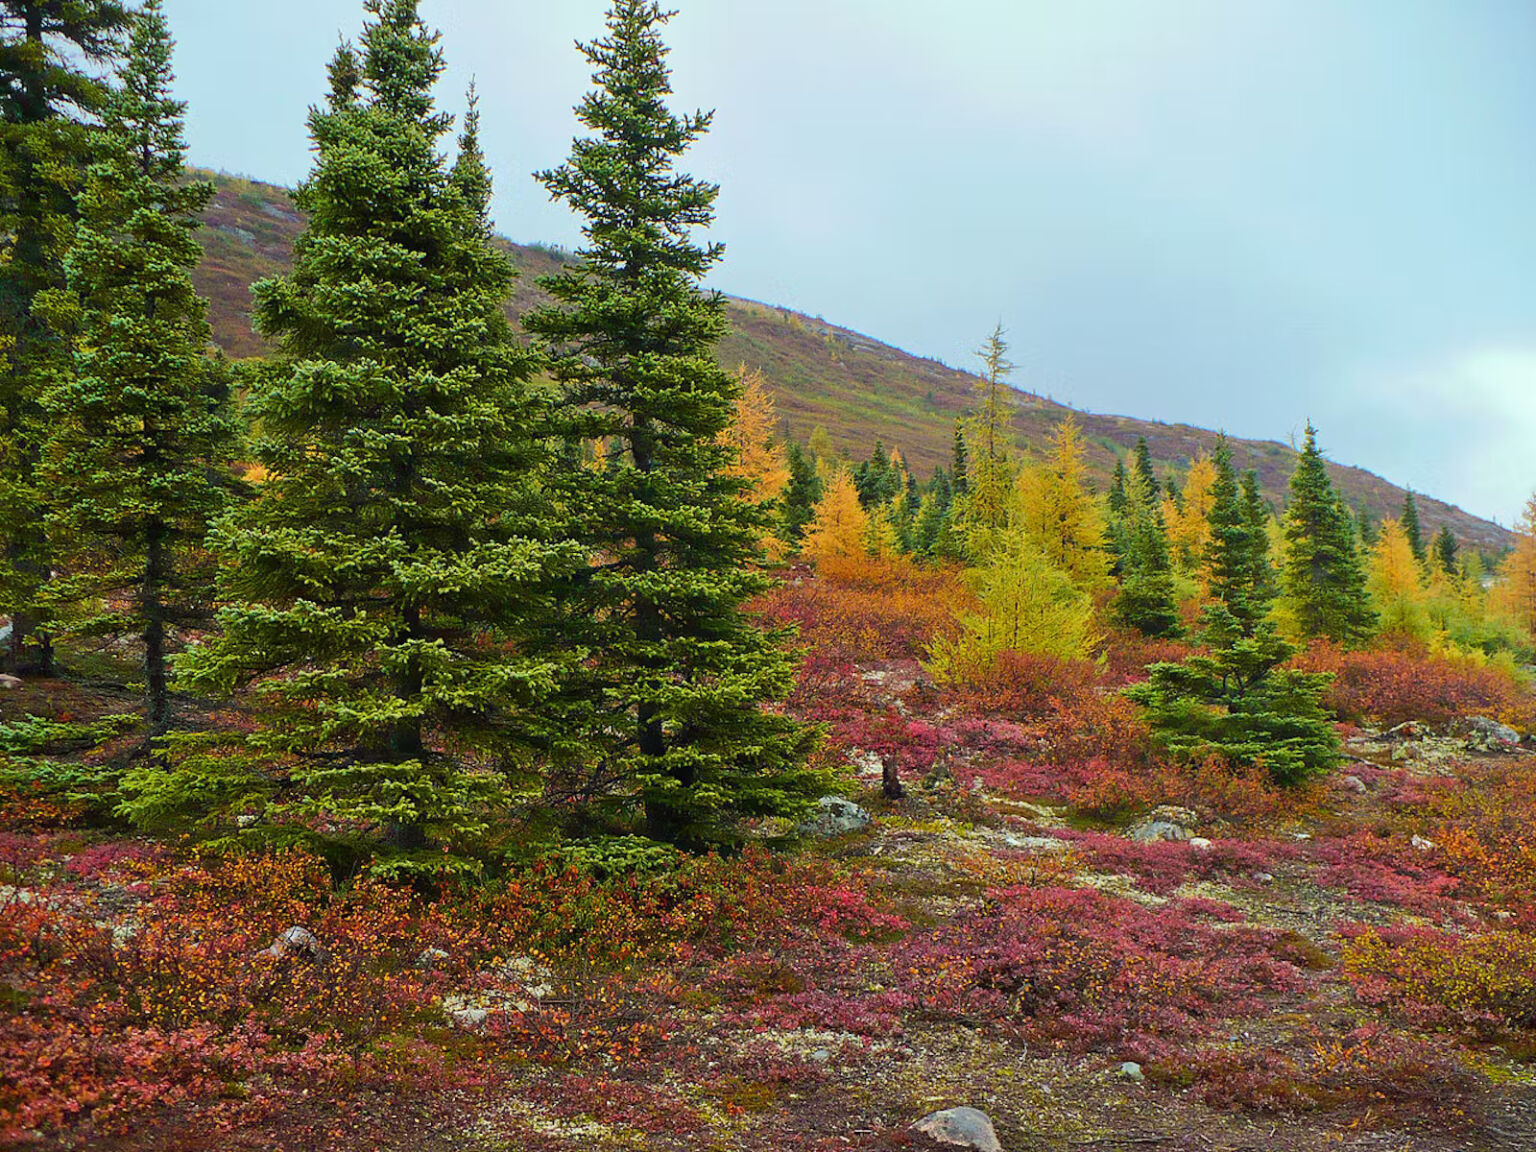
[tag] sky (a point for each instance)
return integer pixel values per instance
(1237, 215)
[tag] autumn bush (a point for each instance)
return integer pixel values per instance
(868, 608)
(1397, 684)
(1483, 980)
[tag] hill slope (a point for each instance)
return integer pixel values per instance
(858, 388)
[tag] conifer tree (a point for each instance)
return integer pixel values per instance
(1027, 605)
(959, 467)
(839, 527)
(670, 704)
(800, 494)
(1237, 551)
(51, 52)
(137, 463)
(383, 580)
(982, 513)
(1147, 601)
(1412, 529)
(1058, 511)
(1445, 549)
(1143, 465)
(1323, 582)
(1514, 592)
(1395, 581)
(1187, 514)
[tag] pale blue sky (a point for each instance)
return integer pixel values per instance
(1235, 213)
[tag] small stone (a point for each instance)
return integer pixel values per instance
(1422, 844)
(1036, 843)
(1264, 877)
(1355, 784)
(1176, 815)
(8, 682)
(866, 763)
(821, 1056)
(962, 1127)
(1131, 1070)
(298, 943)
(835, 817)
(1199, 843)
(429, 959)
(1491, 734)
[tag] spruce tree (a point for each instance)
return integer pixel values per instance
(1143, 465)
(670, 705)
(800, 494)
(1446, 551)
(958, 465)
(1148, 600)
(1323, 579)
(138, 461)
(51, 52)
(384, 579)
(1412, 528)
(1237, 552)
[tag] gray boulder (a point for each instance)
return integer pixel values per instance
(962, 1127)
(1491, 734)
(835, 816)
(1151, 831)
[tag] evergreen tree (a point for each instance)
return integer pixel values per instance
(800, 494)
(958, 465)
(1323, 581)
(138, 460)
(1236, 556)
(1445, 551)
(1147, 601)
(383, 581)
(50, 96)
(878, 479)
(1412, 529)
(1143, 465)
(670, 703)
(1238, 703)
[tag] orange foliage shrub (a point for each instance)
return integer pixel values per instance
(1392, 685)
(866, 608)
(1487, 980)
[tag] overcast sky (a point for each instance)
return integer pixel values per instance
(1233, 213)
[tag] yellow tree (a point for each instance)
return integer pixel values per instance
(982, 513)
(1514, 595)
(1396, 584)
(1027, 605)
(1058, 512)
(759, 460)
(1189, 520)
(839, 528)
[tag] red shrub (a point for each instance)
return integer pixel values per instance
(1390, 686)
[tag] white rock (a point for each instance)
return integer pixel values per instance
(1199, 843)
(1422, 844)
(835, 816)
(962, 1127)
(1131, 1070)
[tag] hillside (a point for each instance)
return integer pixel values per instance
(858, 388)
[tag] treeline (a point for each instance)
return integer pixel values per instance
(1059, 569)
(443, 627)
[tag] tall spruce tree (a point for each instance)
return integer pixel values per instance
(51, 54)
(671, 703)
(1323, 579)
(142, 436)
(1446, 549)
(383, 579)
(1236, 554)
(800, 494)
(1147, 600)
(1412, 528)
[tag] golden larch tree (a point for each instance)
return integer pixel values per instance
(1189, 519)
(1396, 584)
(1056, 509)
(1514, 595)
(760, 459)
(839, 528)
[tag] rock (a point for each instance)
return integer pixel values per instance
(1199, 843)
(1151, 831)
(1408, 730)
(1355, 784)
(835, 817)
(8, 682)
(1176, 815)
(1131, 1071)
(529, 983)
(298, 943)
(821, 1056)
(1492, 735)
(866, 763)
(1264, 877)
(1422, 844)
(962, 1127)
(428, 959)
